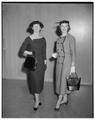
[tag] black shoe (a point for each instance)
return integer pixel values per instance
(57, 109)
(40, 103)
(35, 108)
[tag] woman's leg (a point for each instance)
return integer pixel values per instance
(62, 99)
(65, 99)
(58, 102)
(36, 97)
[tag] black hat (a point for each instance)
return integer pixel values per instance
(36, 22)
(63, 21)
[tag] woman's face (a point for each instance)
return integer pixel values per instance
(36, 28)
(64, 27)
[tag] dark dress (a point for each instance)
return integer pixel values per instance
(35, 78)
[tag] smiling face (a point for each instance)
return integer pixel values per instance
(36, 28)
(64, 27)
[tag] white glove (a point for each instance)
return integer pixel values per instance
(27, 53)
(72, 69)
(54, 55)
(45, 62)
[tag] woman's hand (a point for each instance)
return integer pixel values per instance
(45, 64)
(72, 69)
(54, 55)
(27, 53)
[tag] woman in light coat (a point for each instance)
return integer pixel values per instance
(65, 64)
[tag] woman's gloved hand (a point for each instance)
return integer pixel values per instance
(72, 69)
(45, 64)
(54, 55)
(27, 53)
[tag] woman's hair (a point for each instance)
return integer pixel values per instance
(58, 30)
(30, 30)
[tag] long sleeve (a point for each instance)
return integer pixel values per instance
(22, 48)
(44, 50)
(73, 50)
(54, 49)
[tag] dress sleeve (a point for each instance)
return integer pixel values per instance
(22, 48)
(44, 49)
(54, 48)
(73, 50)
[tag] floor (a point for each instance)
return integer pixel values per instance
(18, 103)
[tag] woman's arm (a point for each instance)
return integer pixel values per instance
(44, 52)
(54, 54)
(73, 54)
(23, 52)
(73, 50)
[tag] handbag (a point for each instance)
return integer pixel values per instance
(30, 63)
(73, 82)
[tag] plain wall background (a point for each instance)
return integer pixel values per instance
(17, 17)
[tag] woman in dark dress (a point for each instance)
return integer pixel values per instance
(35, 43)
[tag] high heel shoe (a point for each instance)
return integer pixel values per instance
(40, 103)
(57, 108)
(35, 108)
(64, 101)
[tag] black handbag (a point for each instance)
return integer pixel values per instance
(30, 63)
(73, 82)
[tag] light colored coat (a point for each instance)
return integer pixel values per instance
(66, 50)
